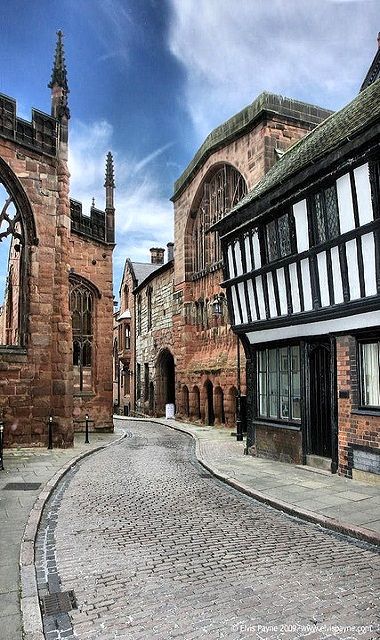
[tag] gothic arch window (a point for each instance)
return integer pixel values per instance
(82, 307)
(17, 234)
(220, 193)
(149, 307)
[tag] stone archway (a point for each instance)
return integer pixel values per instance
(185, 401)
(196, 403)
(165, 381)
(219, 405)
(209, 406)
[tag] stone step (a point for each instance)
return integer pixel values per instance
(318, 462)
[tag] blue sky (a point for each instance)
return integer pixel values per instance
(150, 78)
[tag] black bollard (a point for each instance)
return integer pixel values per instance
(1, 445)
(87, 419)
(50, 432)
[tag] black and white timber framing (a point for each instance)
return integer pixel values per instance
(301, 256)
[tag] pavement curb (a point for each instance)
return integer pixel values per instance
(359, 533)
(32, 627)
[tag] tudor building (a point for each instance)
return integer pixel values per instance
(56, 315)
(302, 277)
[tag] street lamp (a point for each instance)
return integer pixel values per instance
(87, 419)
(50, 432)
(1, 445)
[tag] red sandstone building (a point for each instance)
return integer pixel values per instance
(191, 357)
(56, 317)
(302, 277)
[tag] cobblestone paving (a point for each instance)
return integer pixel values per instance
(155, 548)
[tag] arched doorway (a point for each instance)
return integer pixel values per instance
(185, 401)
(196, 404)
(151, 398)
(165, 381)
(209, 413)
(219, 406)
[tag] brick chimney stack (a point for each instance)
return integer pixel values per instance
(170, 247)
(157, 255)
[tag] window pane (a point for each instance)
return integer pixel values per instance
(296, 384)
(332, 216)
(272, 247)
(319, 218)
(284, 236)
(370, 374)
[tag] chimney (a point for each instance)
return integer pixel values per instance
(157, 255)
(170, 247)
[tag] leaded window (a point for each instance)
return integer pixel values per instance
(279, 382)
(82, 313)
(12, 260)
(325, 215)
(370, 373)
(220, 194)
(149, 307)
(139, 315)
(279, 238)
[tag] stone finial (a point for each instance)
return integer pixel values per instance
(59, 73)
(93, 203)
(109, 182)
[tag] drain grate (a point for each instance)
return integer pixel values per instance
(55, 603)
(22, 486)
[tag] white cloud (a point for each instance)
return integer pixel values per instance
(315, 51)
(143, 217)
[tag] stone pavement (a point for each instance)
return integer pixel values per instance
(152, 547)
(346, 505)
(35, 471)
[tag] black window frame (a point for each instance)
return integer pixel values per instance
(279, 418)
(266, 257)
(321, 193)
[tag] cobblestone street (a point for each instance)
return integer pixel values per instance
(155, 548)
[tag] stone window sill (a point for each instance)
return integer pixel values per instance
(366, 412)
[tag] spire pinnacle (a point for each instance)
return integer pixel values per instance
(109, 182)
(59, 73)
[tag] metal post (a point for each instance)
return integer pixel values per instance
(239, 426)
(1, 445)
(50, 432)
(87, 419)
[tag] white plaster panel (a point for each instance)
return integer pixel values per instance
(323, 280)
(302, 227)
(353, 270)
(282, 291)
(363, 192)
(239, 264)
(248, 254)
(306, 285)
(251, 297)
(296, 303)
(235, 306)
(256, 249)
(345, 205)
(260, 297)
(231, 267)
(243, 303)
(271, 296)
(368, 248)
(337, 276)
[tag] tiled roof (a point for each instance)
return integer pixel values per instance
(363, 111)
(143, 269)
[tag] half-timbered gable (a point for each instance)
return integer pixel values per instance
(302, 269)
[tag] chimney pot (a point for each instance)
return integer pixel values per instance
(170, 247)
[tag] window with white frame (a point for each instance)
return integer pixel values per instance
(370, 373)
(279, 382)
